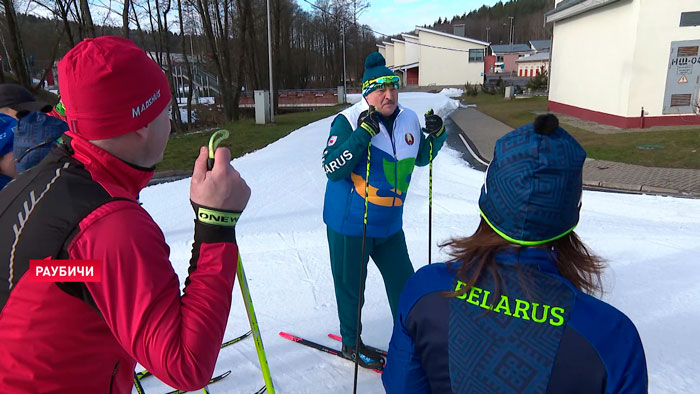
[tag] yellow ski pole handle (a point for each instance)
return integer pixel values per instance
(214, 141)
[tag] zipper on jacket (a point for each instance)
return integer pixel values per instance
(396, 159)
(111, 380)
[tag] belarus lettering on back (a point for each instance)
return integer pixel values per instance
(513, 307)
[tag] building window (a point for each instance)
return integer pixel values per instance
(499, 58)
(476, 55)
(690, 19)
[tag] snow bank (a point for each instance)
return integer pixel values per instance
(451, 92)
(651, 244)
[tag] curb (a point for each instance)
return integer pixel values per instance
(168, 176)
(602, 186)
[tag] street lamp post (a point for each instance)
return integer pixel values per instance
(269, 56)
(345, 75)
(510, 32)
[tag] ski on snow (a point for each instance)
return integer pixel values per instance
(378, 350)
(318, 346)
(214, 380)
(206, 389)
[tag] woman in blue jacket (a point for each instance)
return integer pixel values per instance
(511, 313)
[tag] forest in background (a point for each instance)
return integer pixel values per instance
(227, 39)
(492, 24)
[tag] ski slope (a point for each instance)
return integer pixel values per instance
(652, 244)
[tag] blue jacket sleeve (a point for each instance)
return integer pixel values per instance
(423, 157)
(344, 149)
(403, 372)
(617, 341)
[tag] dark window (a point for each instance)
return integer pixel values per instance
(690, 19)
(476, 55)
(499, 58)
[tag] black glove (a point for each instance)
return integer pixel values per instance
(369, 121)
(433, 124)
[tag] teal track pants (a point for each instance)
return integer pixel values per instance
(391, 257)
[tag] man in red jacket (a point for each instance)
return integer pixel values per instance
(81, 204)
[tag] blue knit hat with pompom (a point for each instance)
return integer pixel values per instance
(532, 193)
(375, 67)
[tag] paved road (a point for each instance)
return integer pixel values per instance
(480, 132)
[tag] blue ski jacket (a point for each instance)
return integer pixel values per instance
(535, 333)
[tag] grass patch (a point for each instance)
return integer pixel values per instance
(246, 136)
(681, 148)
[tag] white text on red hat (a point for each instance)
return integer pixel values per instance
(137, 111)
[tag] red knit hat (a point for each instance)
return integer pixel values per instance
(110, 87)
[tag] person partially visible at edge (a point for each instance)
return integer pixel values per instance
(511, 312)
(7, 159)
(16, 103)
(35, 135)
(396, 144)
(80, 204)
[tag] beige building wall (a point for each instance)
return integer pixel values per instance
(389, 54)
(592, 63)
(399, 52)
(412, 48)
(445, 67)
(615, 59)
(659, 25)
(382, 50)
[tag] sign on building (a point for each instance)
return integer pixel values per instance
(683, 79)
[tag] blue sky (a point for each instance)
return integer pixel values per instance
(397, 16)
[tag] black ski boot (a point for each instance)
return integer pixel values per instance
(368, 357)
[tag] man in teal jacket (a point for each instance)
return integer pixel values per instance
(391, 135)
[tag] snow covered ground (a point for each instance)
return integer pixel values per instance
(652, 244)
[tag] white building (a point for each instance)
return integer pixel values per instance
(533, 65)
(435, 58)
(627, 63)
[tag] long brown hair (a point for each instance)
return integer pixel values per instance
(573, 259)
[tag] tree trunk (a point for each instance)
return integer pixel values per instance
(17, 57)
(125, 19)
(224, 82)
(87, 18)
(165, 43)
(63, 9)
(54, 54)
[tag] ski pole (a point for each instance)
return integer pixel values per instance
(137, 384)
(248, 301)
(430, 204)
(362, 273)
(214, 141)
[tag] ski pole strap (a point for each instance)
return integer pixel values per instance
(217, 217)
(214, 141)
